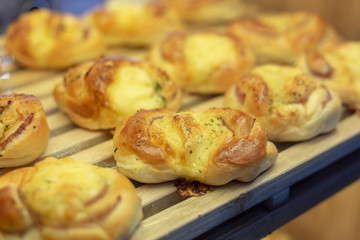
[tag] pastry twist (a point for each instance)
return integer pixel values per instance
(67, 199)
(213, 147)
(24, 132)
(287, 101)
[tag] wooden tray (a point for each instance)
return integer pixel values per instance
(167, 215)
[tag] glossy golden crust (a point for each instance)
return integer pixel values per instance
(99, 95)
(338, 69)
(212, 147)
(24, 132)
(47, 39)
(136, 23)
(95, 203)
(287, 101)
(283, 37)
(204, 62)
(209, 11)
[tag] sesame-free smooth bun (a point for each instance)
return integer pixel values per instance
(213, 147)
(134, 23)
(67, 199)
(283, 37)
(24, 132)
(338, 69)
(202, 62)
(48, 39)
(287, 101)
(98, 95)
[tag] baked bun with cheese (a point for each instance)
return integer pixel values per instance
(338, 69)
(203, 62)
(213, 147)
(134, 23)
(48, 39)
(99, 95)
(67, 199)
(287, 101)
(205, 12)
(283, 37)
(24, 130)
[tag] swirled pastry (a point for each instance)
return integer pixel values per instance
(99, 95)
(48, 39)
(203, 62)
(209, 11)
(338, 69)
(24, 132)
(67, 199)
(212, 147)
(287, 101)
(134, 23)
(283, 37)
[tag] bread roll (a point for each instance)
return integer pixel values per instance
(203, 62)
(213, 147)
(67, 199)
(338, 69)
(48, 39)
(283, 37)
(287, 101)
(134, 23)
(99, 95)
(24, 132)
(205, 12)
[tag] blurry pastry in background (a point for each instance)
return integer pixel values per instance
(283, 37)
(213, 147)
(338, 68)
(205, 12)
(48, 39)
(134, 23)
(202, 62)
(99, 95)
(287, 101)
(24, 132)
(67, 199)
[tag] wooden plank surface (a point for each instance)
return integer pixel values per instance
(167, 214)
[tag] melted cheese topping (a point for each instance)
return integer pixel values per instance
(205, 135)
(58, 191)
(205, 52)
(132, 89)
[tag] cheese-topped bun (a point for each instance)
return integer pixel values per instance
(203, 62)
(338, 69)
(67, 199)
(48, 39)
(287, 101)
(283, 37)
(209, 11)
(99, 95)
(24, 132)
(213, 147)
(134, 23)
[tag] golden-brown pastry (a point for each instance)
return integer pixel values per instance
(283, 37)
(99, 95)
(134, 23)
(203, 62)
(287, 101)
(338, 69)
(48, 39)
(209, 11)
(213, 147)
(24, 132)
(67, 199)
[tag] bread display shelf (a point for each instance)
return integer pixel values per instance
(166, 214)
